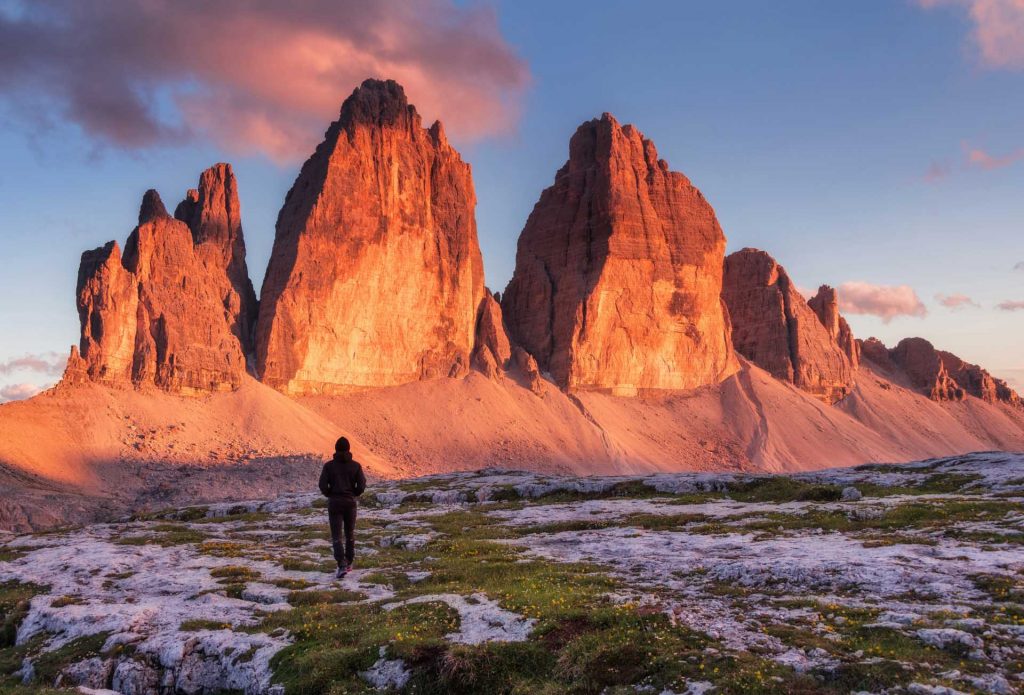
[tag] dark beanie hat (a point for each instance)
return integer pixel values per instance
(342, 445)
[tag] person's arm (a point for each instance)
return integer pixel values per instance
(325, 482)
(359, 483)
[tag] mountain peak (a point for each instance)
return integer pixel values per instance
(378, 103)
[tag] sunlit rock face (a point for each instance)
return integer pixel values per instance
(172, 310)
(493, 350)
(213, 214)
(826, 305)
(619, 272)
(376, 276)
(775, 328)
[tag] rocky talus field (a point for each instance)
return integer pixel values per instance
(880, 578)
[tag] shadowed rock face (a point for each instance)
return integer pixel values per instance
(376, 275)
(619, 272)
(774, 327)
(169, 312)
(941, 375)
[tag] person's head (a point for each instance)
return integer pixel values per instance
(342, 446)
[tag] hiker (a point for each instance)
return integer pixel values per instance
(341, 481)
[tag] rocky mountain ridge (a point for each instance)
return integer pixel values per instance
(626, 341)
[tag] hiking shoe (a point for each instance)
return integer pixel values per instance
(340, 574)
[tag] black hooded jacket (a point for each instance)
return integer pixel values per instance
(342, 476)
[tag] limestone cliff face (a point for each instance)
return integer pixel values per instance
(493, 349)
(376, 276)
(940, 375)
(619, 272)
(168, 312)
(826, 305)
(108, 301)
(775, 328)
(214, 216)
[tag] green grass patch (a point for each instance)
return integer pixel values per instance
(8, 554)
(169, 534)
(313, 598)
(234, 573)
(780, 488)
(937, 484)
(49, 664)
(14, 605)
(67, 601)
(235, 515)
(200, 624)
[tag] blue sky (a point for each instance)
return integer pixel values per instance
(873, 142)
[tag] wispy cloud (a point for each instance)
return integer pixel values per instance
(980, 159)
(974, 158)
(252, 76)
(937, 171)
(884, 301)
(955, 301)
(1019, 266)
(46, 363)
(1011, 305)
(18, 392)
(998, 29)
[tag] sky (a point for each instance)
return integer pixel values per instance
(874, 145)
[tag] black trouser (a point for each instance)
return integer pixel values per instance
(341, 512)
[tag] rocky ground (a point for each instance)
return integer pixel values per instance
(880, 578)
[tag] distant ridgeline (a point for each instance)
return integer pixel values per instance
(621, 283)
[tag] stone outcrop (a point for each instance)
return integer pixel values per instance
(826, 305)
(940, 375)
(492, 350)
(875, 351)
(168, 311)
(376, 276)
(925, 368)
(774, 327)
(618, 272)
(524, 364)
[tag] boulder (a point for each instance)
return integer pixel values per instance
(376, 277)
(618, 272)
(774, 327)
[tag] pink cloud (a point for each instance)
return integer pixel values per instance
(955, 301)
(1011, 305)
(18, 392)
(980, 159)
(253, 76)
(48, 363)
(937, 171)
(884, 301)
(998, 32)
(974, 158)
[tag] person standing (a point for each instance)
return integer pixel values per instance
(341, 482)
